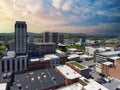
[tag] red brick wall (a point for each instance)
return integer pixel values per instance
(63, 60)
(66, 80)
(38, 65)
(115, 71)
(73, 67)
(105, 70)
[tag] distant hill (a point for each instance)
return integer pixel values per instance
(12, 34)
(65, 34)
(6, 34)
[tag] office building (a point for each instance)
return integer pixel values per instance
(61, 38)
(20, 38)
(49, 60)
(10, 63)
(40, 49)
(100, 58)
(53, 37)
(112, 67)
(46, 37)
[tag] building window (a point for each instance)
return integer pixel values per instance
(8, 65)
(18, 65)
(23, 64)
(2, 66)
(13, 65)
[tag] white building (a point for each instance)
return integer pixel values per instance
(54, 59)
(90, 50)
(68, 72)
(10, 63)
(74, 57)
(103, 57)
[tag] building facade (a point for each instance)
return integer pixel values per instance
(100, 58)
(20, 38)
(40, 49)
(53, 37)
(10, 63)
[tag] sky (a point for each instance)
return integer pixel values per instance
(72, 16)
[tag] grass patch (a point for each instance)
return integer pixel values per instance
(77, 64)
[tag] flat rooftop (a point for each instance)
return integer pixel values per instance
(93, 85)
(50, 43)
(51, 56)
(37, 80)
(75, 86)
(73, 56)
(76, 64)
(115, 58)
(110, 53)
(108, 63)
(68, 72)
(9, 54)
(3, 86)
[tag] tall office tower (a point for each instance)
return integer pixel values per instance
(46, 37)
(54, 37)
(20, 38)
(51, 37)
(61, 38)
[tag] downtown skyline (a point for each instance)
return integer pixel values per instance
(75, 16)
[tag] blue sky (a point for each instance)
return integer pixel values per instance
(77, 16)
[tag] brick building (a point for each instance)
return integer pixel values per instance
(112, 68)
(83, 70)
(70, 76)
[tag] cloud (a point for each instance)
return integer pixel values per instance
(57, 3)
(65, 15)
(67, 5)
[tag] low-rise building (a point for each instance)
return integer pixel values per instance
(40, 49)
(84, 84)
(74, 57)
(42, 79)
(100, 58)
(91, 50)
(83, 70)
(49, 60)
(70, 76)
(54, 59)
(93, 85)
(74, 86)
(112, 68)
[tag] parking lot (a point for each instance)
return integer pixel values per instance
(112, 85)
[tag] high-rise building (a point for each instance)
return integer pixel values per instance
(53, 37)
(46, 37)
(20, 38)
(61, 38)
